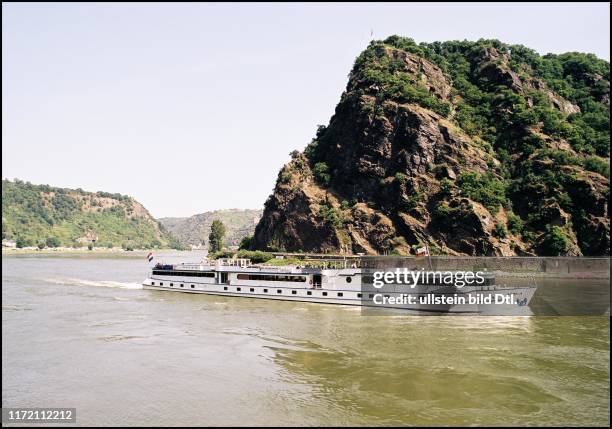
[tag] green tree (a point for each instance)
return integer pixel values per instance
(515, 224)
(499, 230)
(23, 242)
(446, 187)
(321, 173)
(256, 256)
(53, 242)
(331, 215)
(217, 234)
(598, 165)
(555, 242)
(484, 188)
(401, 177)
(245, 243)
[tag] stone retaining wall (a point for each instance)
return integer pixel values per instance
(571, 267)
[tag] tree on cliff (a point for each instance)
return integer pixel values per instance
(215, 239)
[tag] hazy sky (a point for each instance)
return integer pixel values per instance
(194, 107)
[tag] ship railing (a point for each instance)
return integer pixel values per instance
(233, 262)
(331, 264)
(192, 266)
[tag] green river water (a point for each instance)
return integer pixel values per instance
(81, 332)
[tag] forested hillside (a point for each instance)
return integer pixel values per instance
(45, 216)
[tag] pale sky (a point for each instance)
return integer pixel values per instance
(195, 107)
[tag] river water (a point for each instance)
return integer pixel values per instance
(79, 331)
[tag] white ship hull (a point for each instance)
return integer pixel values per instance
(300, 297)
(331, 287)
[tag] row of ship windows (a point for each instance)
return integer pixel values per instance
(271, 278)
(261, 277)
(278, 291)
(184, 273)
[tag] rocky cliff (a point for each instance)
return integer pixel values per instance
(473, 148)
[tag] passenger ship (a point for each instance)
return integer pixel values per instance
(345, 285)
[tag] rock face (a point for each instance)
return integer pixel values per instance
(464, 162)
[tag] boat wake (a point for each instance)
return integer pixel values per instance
(93, 283)
(16, 307)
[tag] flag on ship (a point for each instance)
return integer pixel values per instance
(150, 256)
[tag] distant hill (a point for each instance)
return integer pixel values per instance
(194, 230)
(35, 215)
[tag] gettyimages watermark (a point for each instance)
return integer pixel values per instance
(441, 292)
(390, 284)
(412, 278)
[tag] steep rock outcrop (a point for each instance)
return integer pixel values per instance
(425, 147)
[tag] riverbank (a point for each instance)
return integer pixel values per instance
(505, 267)
(29, 250)
(118, 251)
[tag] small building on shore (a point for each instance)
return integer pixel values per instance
(10, 244)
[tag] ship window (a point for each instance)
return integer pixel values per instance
(294, 292)
(161, 284)
(349, 279)
(340, 294)
(152, 283)
(358, 295)
(192, 286)
(224, 287)
(238, 289)
(324, 293)
(171, 284)
(182, 285)
(309, 292)
(271, 278)
(252, 290)
(371, 296)
(279, 291)
(265, 290)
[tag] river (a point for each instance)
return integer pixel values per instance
(79, 331)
